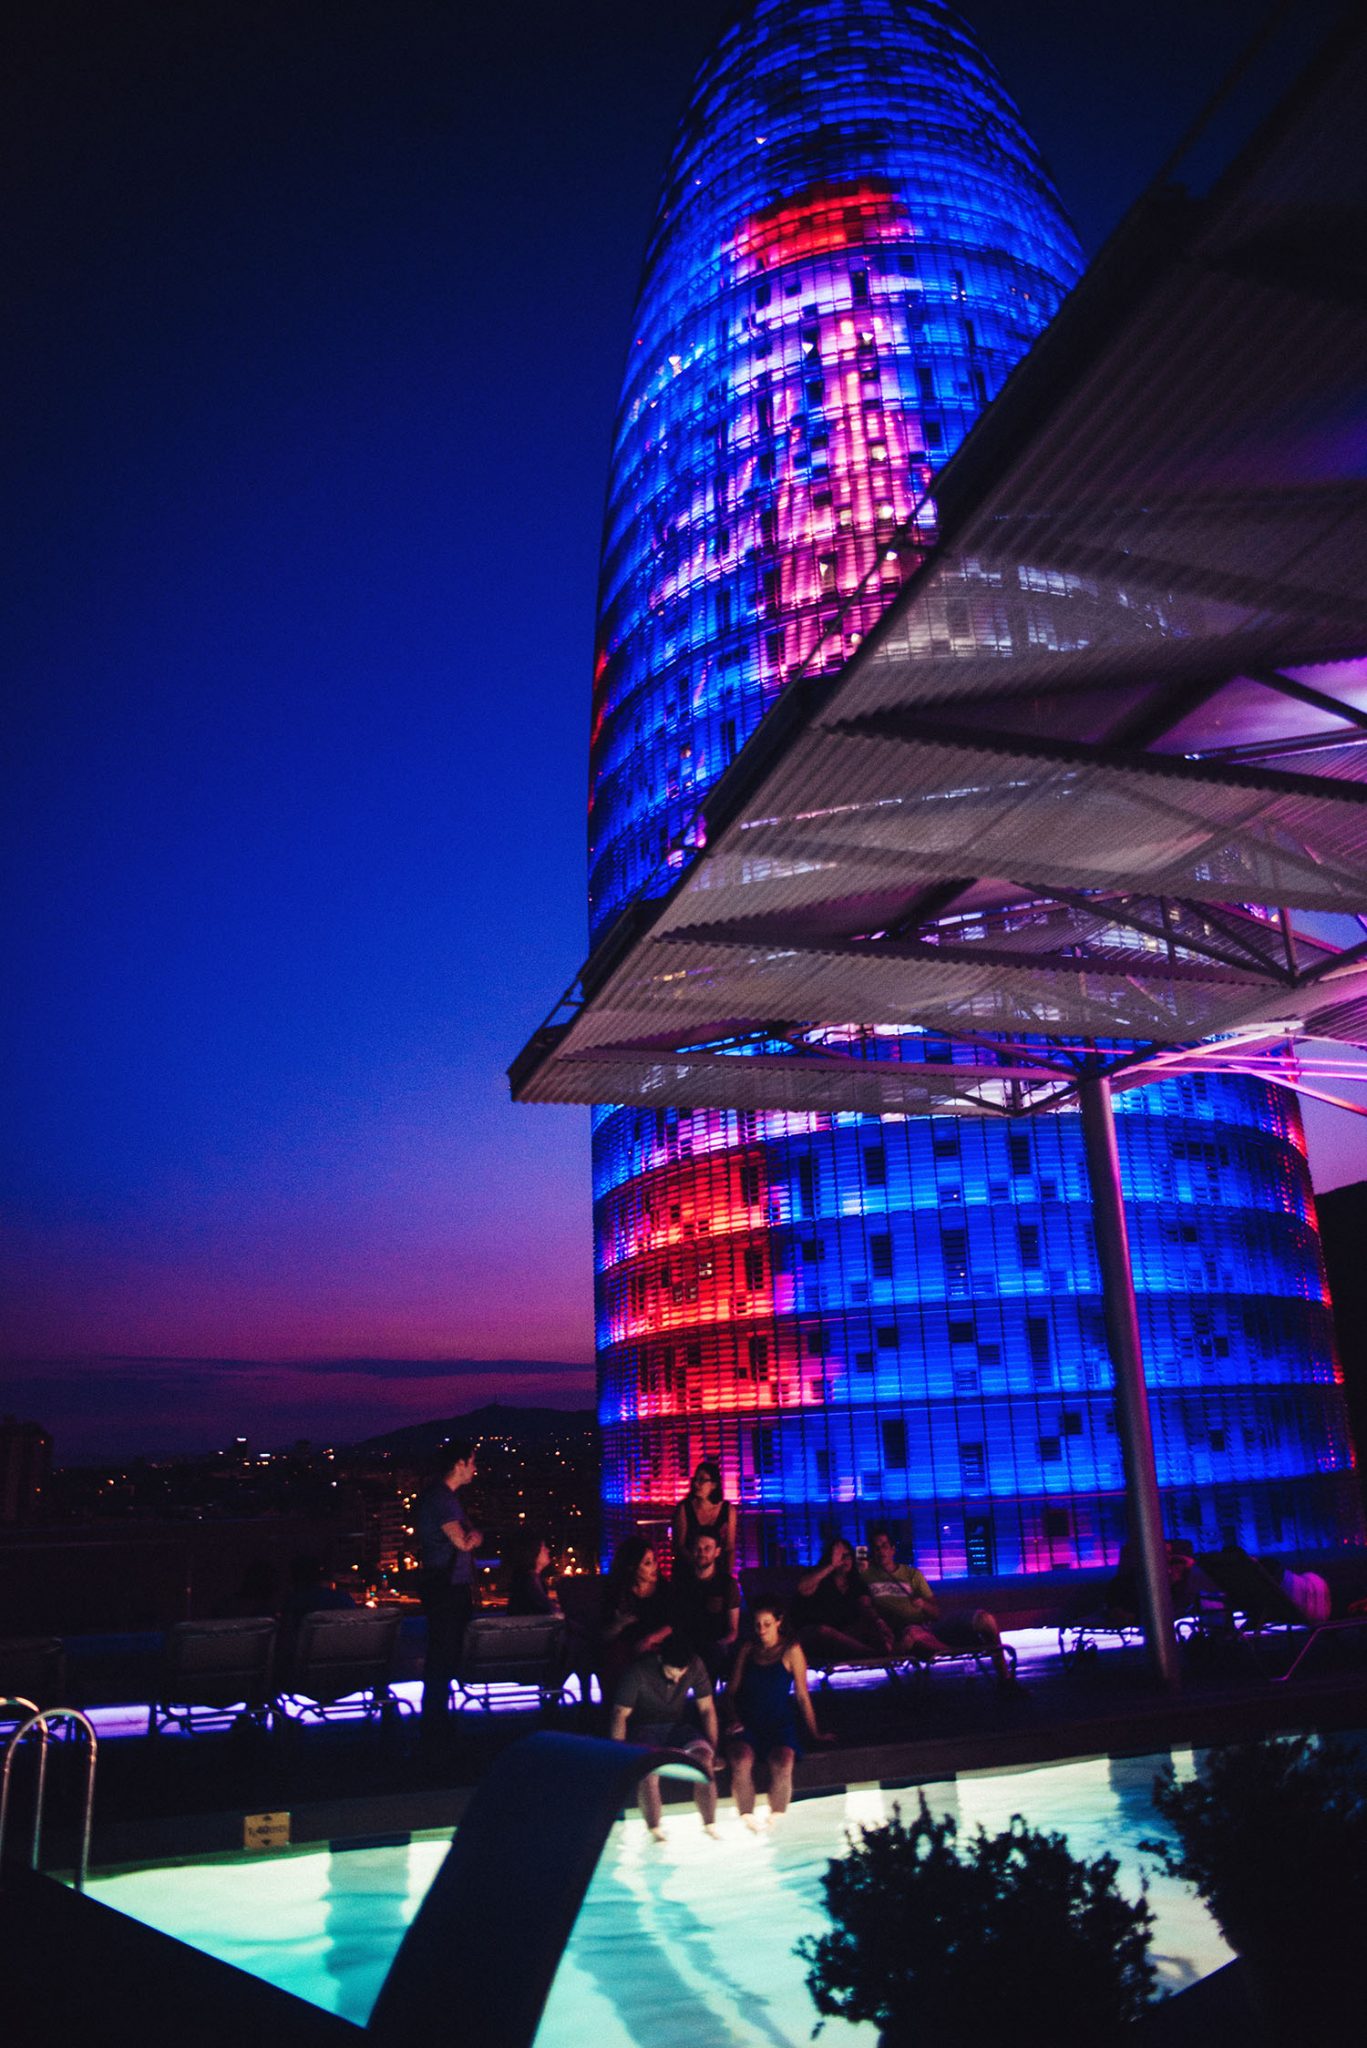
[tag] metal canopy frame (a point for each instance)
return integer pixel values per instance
(1088, 807)
(1099, 777)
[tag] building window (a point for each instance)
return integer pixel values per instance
(1037, 1342)
(806, 1183)
(978, 1546)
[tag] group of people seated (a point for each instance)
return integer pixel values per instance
(668, 1641)
(766, 1713)
(888, 1609)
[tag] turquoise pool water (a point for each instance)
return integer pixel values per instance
(677, 1943)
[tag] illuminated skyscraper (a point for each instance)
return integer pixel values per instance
(889, 1319)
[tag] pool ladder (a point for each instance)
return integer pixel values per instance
(42, 1720)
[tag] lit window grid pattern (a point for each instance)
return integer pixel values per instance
(902, 1322)
(813, 336)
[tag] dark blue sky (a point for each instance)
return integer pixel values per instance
(321, 318)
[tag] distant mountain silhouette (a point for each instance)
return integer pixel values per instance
(496, 1418)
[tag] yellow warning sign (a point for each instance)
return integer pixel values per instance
(265, 1831)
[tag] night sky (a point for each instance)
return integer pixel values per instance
(321, 314)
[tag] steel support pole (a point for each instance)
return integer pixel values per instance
(1147, 1541)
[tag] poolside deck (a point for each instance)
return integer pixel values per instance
(190, 1795)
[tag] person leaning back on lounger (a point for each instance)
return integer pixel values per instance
(650, 1706)
(903, 1596)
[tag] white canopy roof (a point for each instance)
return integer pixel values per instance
(1097, 785)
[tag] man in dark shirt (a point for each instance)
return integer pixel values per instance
(651, 1702)
(837, 1621)
(705, 1603)
(446, 1557)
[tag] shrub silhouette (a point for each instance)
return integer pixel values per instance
(1273, 1835)
(1010, 1935)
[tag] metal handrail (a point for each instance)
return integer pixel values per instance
(43, 1721)
(27, 1709)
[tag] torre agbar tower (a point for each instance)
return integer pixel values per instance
(900, 1319)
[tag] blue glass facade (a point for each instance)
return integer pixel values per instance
(864, 1319)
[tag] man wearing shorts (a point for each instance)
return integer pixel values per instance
(650, 1706)
(903, 1596)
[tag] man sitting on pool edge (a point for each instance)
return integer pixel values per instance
(903, 1596)
(651, 1701)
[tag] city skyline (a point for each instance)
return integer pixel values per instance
(322, 347)
(125, 1407)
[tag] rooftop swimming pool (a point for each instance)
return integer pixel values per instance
(677, 1943)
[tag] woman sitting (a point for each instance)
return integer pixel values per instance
(838, 1622)
(704, 1508)
(767, 1707)
(528, 1562)
(636, 1614)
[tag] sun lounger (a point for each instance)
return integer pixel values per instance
(1264, 1603)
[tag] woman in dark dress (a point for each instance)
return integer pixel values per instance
(704, 1507)
(636, 1614)
(769, 1708)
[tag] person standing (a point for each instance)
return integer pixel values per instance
(705, 1506)
(447, 1542)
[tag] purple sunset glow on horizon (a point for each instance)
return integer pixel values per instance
(320, 320)
(102, 1407)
